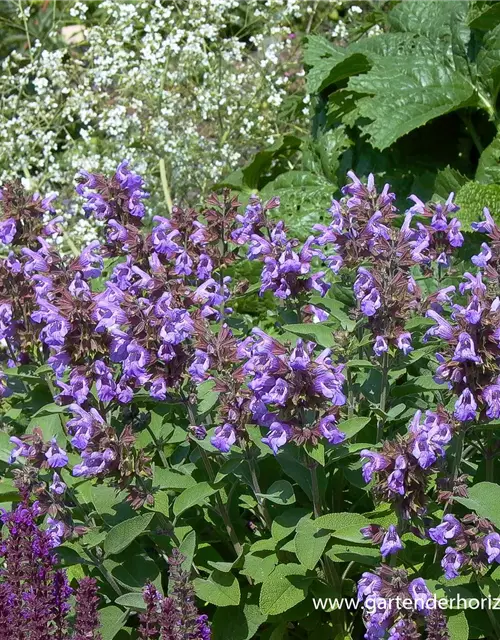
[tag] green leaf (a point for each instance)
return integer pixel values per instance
(319, 332)
(258, 568)
(483, 15)
(458, 627)
(286, 522)
(207, 397)
(112, 620)
(329, 64)
(132, 601)
(337, 521)
(310, 542)
(240, 623)
(408, 92)
(192, 496)
(124, 533)
(473, 197)
(484, 499)
(221, 589)
(188, 548)
(488, 168)
(285, 587)
(302, 195)
(280, 492)
(171, 479)
(488, 66)
(432, 18)
(352, 426)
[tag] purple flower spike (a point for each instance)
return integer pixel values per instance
(224, 437)
(391, 542)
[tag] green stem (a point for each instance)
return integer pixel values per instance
(383, 394)
(164, 184)
(261, 502)
(158, 447)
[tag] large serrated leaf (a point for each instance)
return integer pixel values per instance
(488, 168)
(124, 533)
(408, 92)
(432, 18)
(473, 197)
(285, 587)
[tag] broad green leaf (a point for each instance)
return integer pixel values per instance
(488, 67)
(188, 548)
(458, 627)
(484, 499)
(408, 92)
(352, 426)
(171, 479)
(258, 568)
(285, 587)
(488, 168)
(110, 504)
(310, 542)
(124, 533)
(285, 523)
(483, 15)
(432, 18)
(132, 601)
(473, 197)
(321, 333)
(280, 492)
(112, 620)
(192, 496)
(329, 64)
(221, 589)
(237, 623)
(336, 521)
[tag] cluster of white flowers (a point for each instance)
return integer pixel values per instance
(195, 83)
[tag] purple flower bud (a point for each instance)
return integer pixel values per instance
(391, 542)
(224, 437)
(199, 432)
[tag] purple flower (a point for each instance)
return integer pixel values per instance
(446, 531)
(369, 585)
(465, 349)
(451, 563)
(403, 342)
(465, 406)
(7, 231)
(492, 547)
(94, 463)
(224, 437)
(299, 358)
(423, 451)
(56, 456)
(20, 450)
(483, 257)
(277, 436)
(491, 395)
(376, 462)
(200, 366)
(443, 330)
(363, 283)
(55, 530)
(278, 394)
(420, 594)
(158, 388)
(370, 303)
(391, 542)
(485, 226)
(57, 487)
(455, 237)
(380, 347)
(329, 430)
(395, 481)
